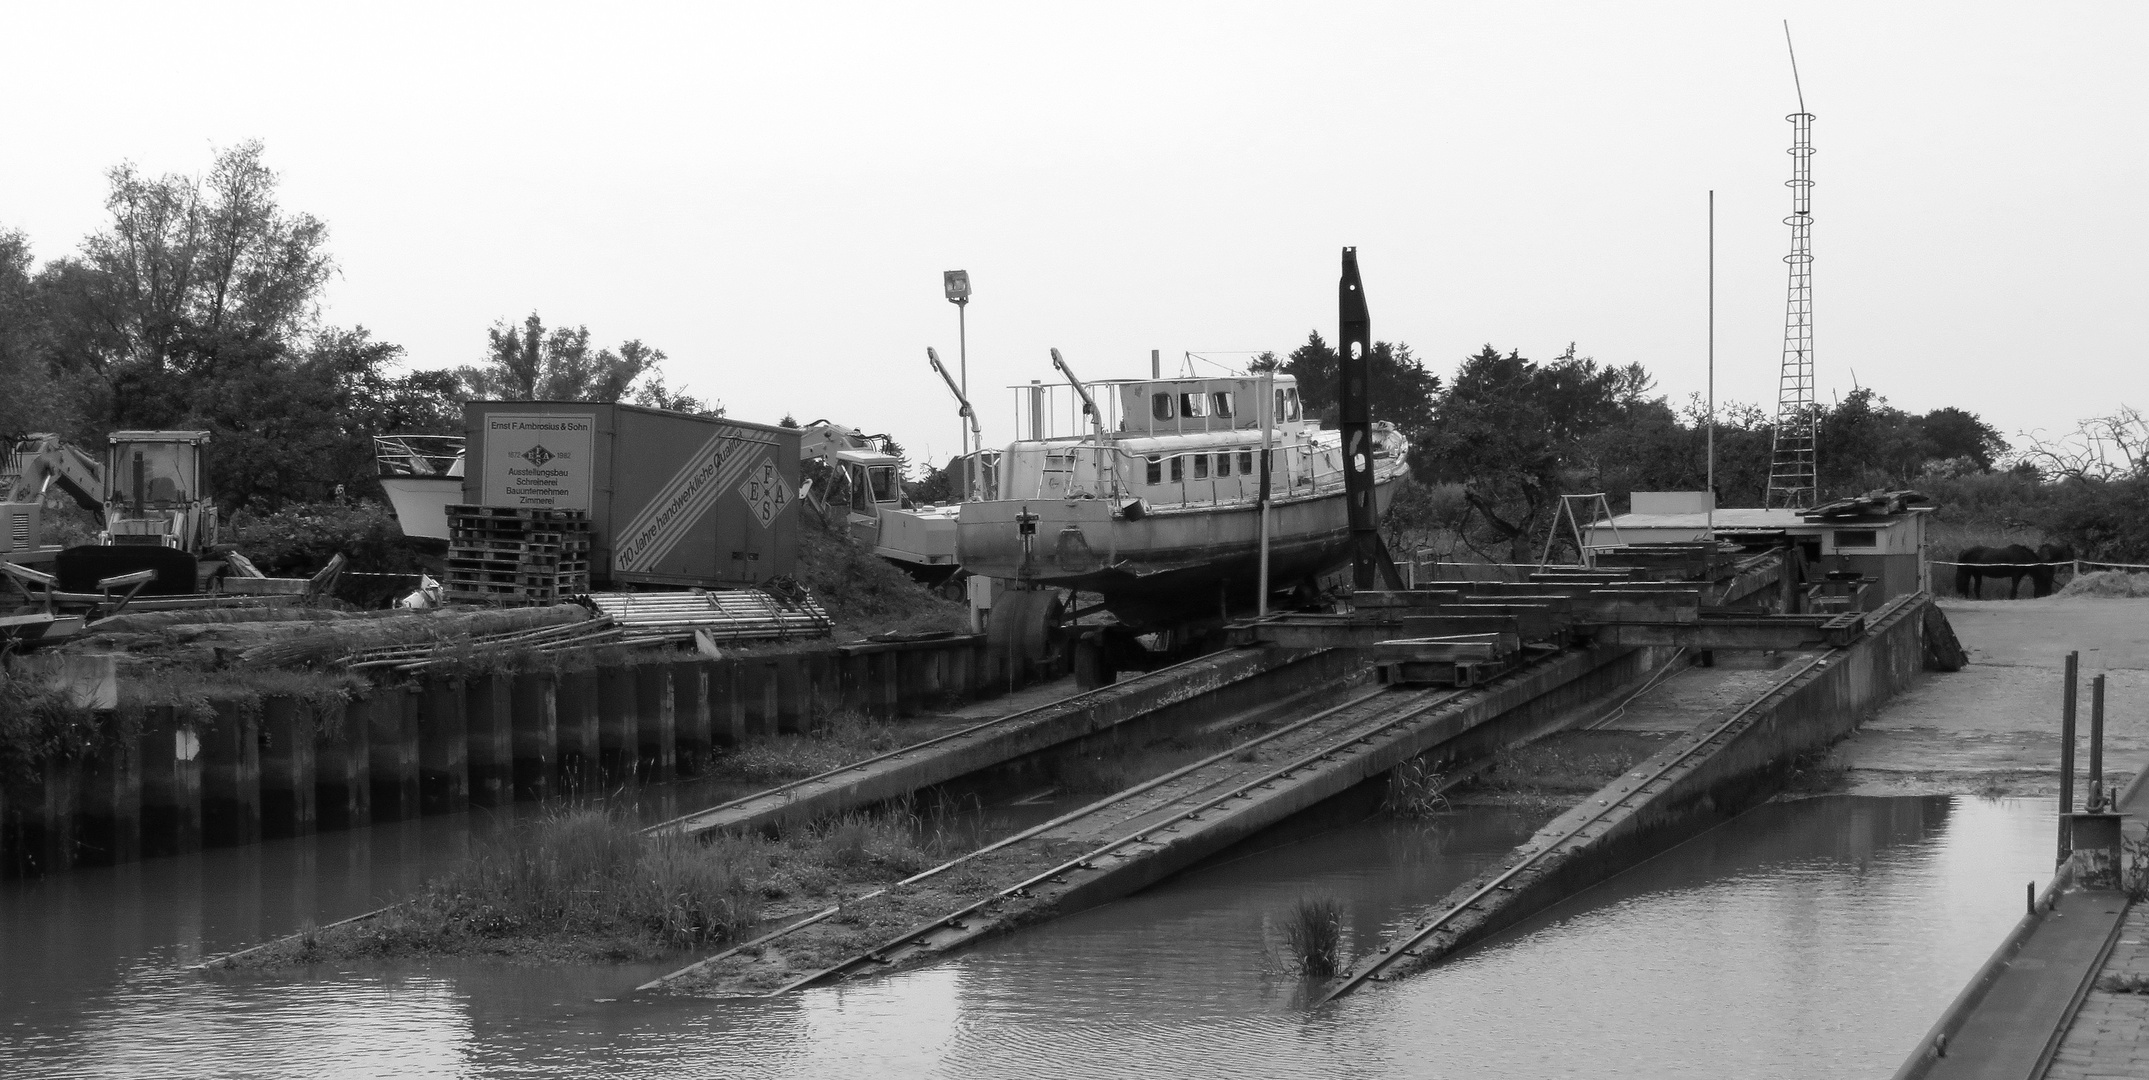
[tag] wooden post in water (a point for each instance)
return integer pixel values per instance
(619, 736)
(536, 723)
(109, 828)
(488, 705)
(579, 724)
(392, 735)
(443, 748)
(2066, 759)
(656, 712)
(342, 766)
(231, 775)
(690, 709)
(170, 752)
(288, 761)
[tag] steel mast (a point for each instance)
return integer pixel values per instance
(1793, 479)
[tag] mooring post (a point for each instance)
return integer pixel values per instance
(391, 718)
(443, 748)
(231, 775)
(2066, 758)
(656, 709)
(170, 752)
(110, 829)
(578, 734)
(2096, 744)
(489, 711)
(288, 762)
(342, 766)
(619, 736)
(690, 713)
(536, 726)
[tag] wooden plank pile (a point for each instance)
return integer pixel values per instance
(512, 555)
(1696, 561)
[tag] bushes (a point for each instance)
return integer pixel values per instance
(300, 539)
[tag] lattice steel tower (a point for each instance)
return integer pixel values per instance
(1792, 477)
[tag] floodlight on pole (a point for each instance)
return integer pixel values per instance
(956, 285)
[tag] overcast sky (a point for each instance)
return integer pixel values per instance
(769, 192)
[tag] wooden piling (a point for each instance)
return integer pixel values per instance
(536, 735)
(231, 775)
(729, 681)
(443, 748)
(619, 736)
(342, 766)
(392, 730)
(489, 713)
(108, 808)
(692, 715)
(656, 717)
(578, 734)
(288, 762)
(169, 752)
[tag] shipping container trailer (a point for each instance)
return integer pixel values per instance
(673, 499)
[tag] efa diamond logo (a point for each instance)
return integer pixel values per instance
(536, 455)
(766, 493)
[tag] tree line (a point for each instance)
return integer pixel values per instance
(197, 306)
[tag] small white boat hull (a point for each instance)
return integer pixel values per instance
(421, 503)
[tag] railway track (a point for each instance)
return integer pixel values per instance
(1419, 947)
(1118, 844)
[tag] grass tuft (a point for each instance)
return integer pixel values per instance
(1416, 789)
(1313, 936)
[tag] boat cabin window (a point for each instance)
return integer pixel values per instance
(1156, 470)
(1223, 403)
(1246, 463)
(1287, 406)
(1201, 466)
(1194, 404)
(885, 488)
(1160, 406)
(1178, 470)
(1223, 464)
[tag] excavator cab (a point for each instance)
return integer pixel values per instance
(154, 491)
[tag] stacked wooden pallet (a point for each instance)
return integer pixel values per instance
(516, 555)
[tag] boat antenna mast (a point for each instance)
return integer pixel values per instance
(1370, 560)
(1793, 476)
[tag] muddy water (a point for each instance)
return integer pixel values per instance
(1811, 939)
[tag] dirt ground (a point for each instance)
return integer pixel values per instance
(1993, 727)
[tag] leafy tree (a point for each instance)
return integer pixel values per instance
(529, 363)
(185, 266)
(1402, 391)
(32, 400)
(1956, 433)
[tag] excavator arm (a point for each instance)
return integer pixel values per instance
(55, 463)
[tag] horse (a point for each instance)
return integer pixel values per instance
(2013, 562)
(2049, 554)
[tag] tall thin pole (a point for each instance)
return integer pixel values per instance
(1268, 431)
(1712, 364)
(2095, 802)
(962, 350)
(2066, 758)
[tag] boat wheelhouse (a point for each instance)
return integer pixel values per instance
(1151, 496)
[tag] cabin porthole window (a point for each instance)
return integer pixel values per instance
(1160, 406)
(1155, 473)
(1246, 463)
(1194, 404)
(1223, 464)
(1178, 469)
(1224, 404)
(1201, 466)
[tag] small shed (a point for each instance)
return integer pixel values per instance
(1881, 537)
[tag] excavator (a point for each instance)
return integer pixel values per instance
(869, 481)
(148, 493)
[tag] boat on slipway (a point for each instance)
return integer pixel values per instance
(1151, 501)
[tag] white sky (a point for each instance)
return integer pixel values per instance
(769, 192)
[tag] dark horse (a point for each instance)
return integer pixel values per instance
(2013, 562)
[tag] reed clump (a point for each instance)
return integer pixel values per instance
(577, 885)
(840, 738)
(1313, 937)
(1416, 789)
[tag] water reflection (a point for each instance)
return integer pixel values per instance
(1810, 939)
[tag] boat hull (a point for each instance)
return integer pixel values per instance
(421, 503)
(1155, 568)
